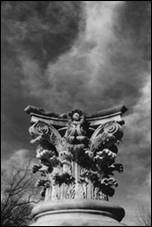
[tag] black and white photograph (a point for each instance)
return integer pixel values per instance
(75, 113)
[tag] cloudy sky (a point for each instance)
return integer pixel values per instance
(90, 55)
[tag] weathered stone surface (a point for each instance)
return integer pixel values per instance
(78, 213)
(77, 156)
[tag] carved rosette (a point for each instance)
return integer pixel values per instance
(79, 163)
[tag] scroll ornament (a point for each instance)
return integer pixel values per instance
(77, 164)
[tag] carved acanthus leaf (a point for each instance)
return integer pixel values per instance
(104, 157)
(60, 178)
(78, 164)
(109, 169)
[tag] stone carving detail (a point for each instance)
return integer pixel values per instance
(42, 131)
(76, 133)
(77, 163)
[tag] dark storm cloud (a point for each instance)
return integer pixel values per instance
(37, 31)
(135, 23)
(106, 65)
(41, 30)
(101, 61)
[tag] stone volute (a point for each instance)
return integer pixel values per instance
(77, 159)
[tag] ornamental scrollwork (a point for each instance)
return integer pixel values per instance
(77, 163)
